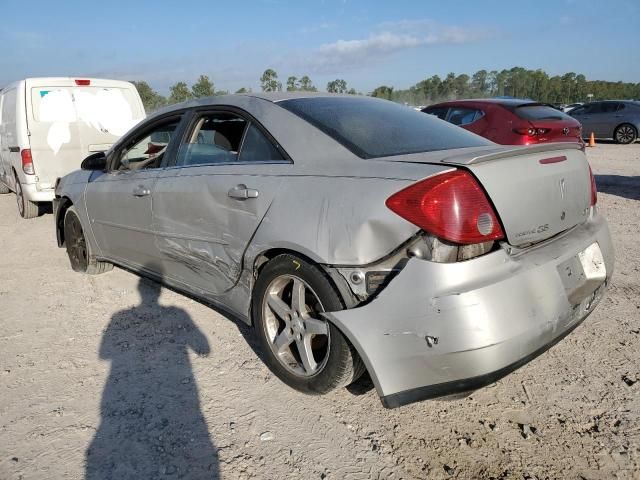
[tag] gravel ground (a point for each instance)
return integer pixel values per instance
(97, 373)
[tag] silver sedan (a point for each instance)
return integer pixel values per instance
(356, 235)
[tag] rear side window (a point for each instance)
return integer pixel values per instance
(464, 116)
(257, 148)
(539, 112)
(373, 128)
(440, 112)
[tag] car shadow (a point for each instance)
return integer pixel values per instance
(151, 423)
(620, 185)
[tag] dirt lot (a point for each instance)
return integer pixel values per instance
(88, 364)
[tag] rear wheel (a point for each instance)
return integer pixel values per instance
(78, 249)
(625, 134)
(26, 208)
(302, 348)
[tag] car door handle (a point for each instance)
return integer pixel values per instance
(140, 191)
(241, 192)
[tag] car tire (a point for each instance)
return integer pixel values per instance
(26, 208)
(297, 337)
(625, 134)
(78, 249)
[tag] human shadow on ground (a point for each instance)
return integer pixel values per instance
(151, 422)
(620, 185)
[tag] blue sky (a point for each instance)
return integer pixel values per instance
(367, 43)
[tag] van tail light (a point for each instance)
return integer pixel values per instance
(450, 205)
(83, 82)
(594, 189)
(27, 161)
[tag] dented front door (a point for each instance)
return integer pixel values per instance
(205, 217)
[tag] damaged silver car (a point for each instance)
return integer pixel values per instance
(353, 233)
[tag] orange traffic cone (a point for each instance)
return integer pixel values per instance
(592, 140)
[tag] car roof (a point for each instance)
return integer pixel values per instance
(505, 102)
(239, 99)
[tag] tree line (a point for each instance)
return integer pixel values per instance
(517, 82)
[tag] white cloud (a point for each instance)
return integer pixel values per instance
(395, 37)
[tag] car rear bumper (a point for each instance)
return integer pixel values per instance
(439, 328)
(32, 193)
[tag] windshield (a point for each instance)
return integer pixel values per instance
(373, 128)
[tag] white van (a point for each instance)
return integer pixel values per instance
(49, 125)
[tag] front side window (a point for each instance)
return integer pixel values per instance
(148, 151)
(372, 128)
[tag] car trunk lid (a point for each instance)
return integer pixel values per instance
(537, 191)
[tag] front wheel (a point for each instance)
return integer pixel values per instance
(625, 134)
(78, 249)
(300, 346)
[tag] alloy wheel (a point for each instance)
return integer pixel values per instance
(625, 134)
(297, 335)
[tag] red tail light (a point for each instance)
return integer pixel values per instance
(82, 83)
(594, 189)
(531, 132)
(451, 206)
(27, 161)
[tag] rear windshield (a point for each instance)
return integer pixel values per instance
(373, 128)
(540, 112)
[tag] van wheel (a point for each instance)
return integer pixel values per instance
(78, 249)
(300, 346)
(26, 208)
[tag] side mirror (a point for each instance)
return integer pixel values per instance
(95, 161)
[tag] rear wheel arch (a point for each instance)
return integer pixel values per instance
(337, 281)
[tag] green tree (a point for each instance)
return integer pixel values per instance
(337, 86)
(203, 87)
(383, 91)
(306, 85)
(292, 84)
(479, 83)
(243, 90)
(151, 99)
(179, 93)
(269, 81)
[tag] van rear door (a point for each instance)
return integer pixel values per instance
(68, 121)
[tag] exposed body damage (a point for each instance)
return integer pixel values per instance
(473, 318)
(428, 315)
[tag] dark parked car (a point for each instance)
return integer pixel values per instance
(619, 120)
(510, 121)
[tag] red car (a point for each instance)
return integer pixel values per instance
(510, 121)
